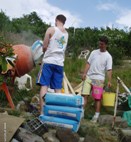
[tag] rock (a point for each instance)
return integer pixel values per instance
(119, 122)
(50, 136)
(26, 136)
(21, 106)
(124, 135)
(81, 139)
(108, 120)
(105, 120)
(66, 135)
(90, 139)
(86, 127)
(14, 140)
(27, 115)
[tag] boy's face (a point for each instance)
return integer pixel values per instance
(102, 45)
(56, 22)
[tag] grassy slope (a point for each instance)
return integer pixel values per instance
(73, 69)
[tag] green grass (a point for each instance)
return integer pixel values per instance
(125, 75)
(75, 67)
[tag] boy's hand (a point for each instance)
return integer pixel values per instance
(109, 84)
(84, 76)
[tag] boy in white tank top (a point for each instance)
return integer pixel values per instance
(51, 72)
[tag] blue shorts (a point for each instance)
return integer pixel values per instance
(50, 75)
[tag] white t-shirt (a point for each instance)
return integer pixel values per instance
(99, 62)
(55, 53)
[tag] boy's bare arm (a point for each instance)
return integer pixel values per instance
(49, 33)
(85, 71)
(109, 75)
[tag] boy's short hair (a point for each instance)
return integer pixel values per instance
(61, 18)
(104, 39)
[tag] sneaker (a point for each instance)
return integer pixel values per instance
(94, 119)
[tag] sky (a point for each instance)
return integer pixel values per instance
(79, 13)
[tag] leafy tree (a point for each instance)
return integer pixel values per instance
(5, 23)
(80, 39)
(30, 22)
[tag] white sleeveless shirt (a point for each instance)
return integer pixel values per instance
(55, 53)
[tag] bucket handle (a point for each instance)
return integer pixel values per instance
(108, 89)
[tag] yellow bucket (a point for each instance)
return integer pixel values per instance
(108, 99)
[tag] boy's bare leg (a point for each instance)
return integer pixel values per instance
(98, 105)
(97, 109)
(85, 104)
(57, 90)
(85, 100)
(43, 91)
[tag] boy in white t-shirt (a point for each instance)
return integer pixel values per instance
(98, 63)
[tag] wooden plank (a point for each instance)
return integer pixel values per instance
(66, 90)
(116, 103)
(69, 85)
(78, 88)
